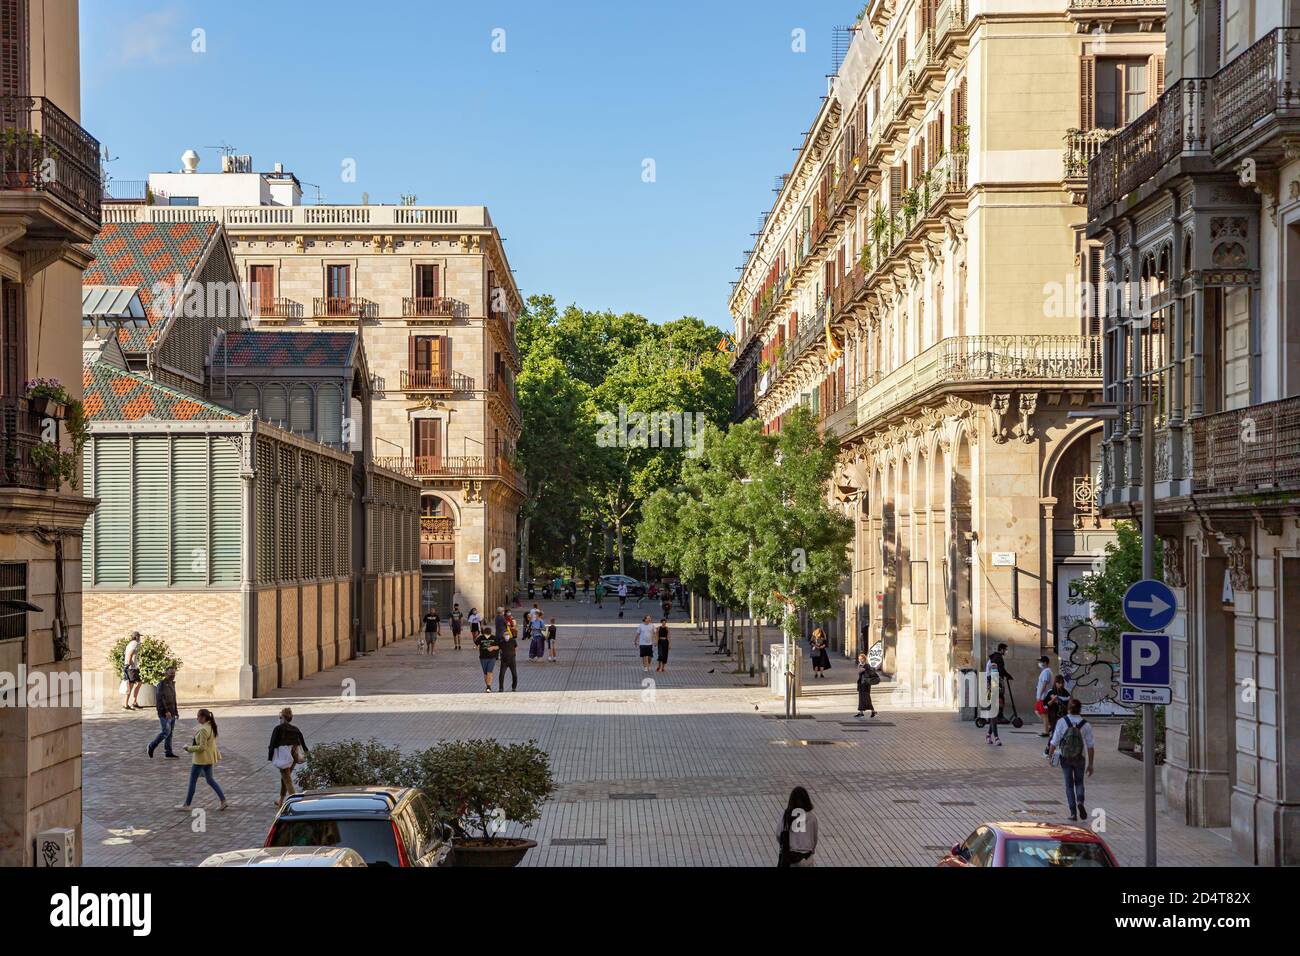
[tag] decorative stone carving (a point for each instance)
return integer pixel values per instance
(1028, 405)
(1237, 549)
(1175, 575)
(473, 492)
(998, 407)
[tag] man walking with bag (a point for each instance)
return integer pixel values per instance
(165, 702)
(1070, 740)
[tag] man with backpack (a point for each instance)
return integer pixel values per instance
(1071, 740)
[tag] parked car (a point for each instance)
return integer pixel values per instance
(611, 581)
(1026, 843)
(387, 826)
(311, 856)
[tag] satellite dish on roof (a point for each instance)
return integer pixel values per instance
(190, 160)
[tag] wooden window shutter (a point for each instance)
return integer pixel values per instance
(1087, 93)
(442, 345)
(895, 188)
(961, 102)
(1155, 79)
(13, 49)
(13, 340)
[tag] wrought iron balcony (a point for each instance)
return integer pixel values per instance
(422, 307)
(20, 434)
(44, 150)
(1258, 90)
(274, 307)
(349, 307)
(435, 380)
(1248, 449)
(1080, 147)
(437, 538)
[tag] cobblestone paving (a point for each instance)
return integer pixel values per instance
(691, 770)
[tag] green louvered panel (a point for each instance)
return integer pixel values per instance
(112, 486)
(266, 538)
(88, 532)
(300, 408)
(329, 415)
(149, 541)
(227, 516)
(189, 509)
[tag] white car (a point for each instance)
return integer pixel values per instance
(313, 856)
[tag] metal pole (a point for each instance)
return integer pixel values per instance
(1148, 573)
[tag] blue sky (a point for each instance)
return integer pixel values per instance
(551, 134)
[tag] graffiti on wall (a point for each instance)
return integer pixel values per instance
(1091, 672)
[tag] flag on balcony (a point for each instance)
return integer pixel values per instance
(726, 344)
(833, 348)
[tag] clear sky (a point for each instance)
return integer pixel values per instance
(552, 134)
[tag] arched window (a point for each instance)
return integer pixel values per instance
(300, 409)
(246, 399)
(275, 407)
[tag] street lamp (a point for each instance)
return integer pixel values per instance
(1112, 411)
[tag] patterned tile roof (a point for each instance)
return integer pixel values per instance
(144, 254)
(280, 349)
(112, 394)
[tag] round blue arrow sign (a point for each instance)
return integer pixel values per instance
(1150, 605)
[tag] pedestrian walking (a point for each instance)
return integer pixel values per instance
(131, 673)
(1040, 694)
(645, 640)
(664, 643)
(509, 645)
(165, 704)
(432, 622)
(996, 666)
(205, 757)
(457, 621)
(868, 677)
(489, 649)
(821, 658)
(537, 637)
(667, 602)
(622, 597)
(798, 835)
(1071, 740)
(287, 749)
(1056, 702)
(586, 590)
(550, 639)
(475, 624)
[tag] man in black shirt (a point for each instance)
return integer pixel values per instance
(431, 622)
(456, 620)
(488, 651)
(509, 644)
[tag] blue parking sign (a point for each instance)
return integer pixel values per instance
(1144, 660)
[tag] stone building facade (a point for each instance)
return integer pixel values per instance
(430, 292)
(919, 284)
(49, 213)
(1196, 203)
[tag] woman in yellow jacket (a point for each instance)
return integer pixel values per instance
(206, 755)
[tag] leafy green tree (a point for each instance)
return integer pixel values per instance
(1121, 568)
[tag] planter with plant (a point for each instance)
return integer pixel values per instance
(153, 658)
(50, 402)
(1130, 736)
(22, 154)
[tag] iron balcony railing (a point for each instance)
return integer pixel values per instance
(339, 307)
(1252, 448)
(1080, 147)
(437, 538)
(434, 307)
(1177, 124)
(43, 148)
(435, 380)
(20, 433)
(274, 307)
(1262, 82)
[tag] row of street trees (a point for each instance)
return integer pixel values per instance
(748, 526)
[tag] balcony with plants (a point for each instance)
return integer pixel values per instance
(49, 170)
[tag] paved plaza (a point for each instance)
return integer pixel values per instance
(692, 770)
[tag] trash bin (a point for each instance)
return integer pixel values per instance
(777, 668)
(968, 693)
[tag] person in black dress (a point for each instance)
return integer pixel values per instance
(664, 641)
(866, 677)
(821, 658)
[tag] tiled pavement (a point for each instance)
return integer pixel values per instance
(692, 770)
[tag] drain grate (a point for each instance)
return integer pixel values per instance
(578, 841)
(1043, 803)
(957, 803)
(813, 743)
(864, 723)
(634, 796)
(784, 717)
(907, 801)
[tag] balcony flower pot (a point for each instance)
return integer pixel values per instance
(48, 407)
(501, 852)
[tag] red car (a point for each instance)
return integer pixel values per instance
(1031, 844)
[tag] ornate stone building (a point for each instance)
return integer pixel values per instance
(1197, 205)
(430, 292)
(919, 283)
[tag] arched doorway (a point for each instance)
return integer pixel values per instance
(437, 554)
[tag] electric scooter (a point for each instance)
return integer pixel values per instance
(1016, 720)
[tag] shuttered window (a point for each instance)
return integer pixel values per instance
(13, 339)
(895, 189)
(149, 547)
(286, 526)
(344, 525)
(246, 399)
(13, 47)
(275, 401)
(226, 514)
(189, 509)
(112, 518)
(301, 400)
(329, 414)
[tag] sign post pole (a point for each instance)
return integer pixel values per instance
(1148, 573)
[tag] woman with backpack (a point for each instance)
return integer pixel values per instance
(206, 756)
(1071, 740)
(798, 836)
(867, 678)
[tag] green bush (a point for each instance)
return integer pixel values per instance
(1122, 568)
(153, 658)
(1133, 730)
(351, 763)
(476, 785)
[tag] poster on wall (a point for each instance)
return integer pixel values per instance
(1091, 674)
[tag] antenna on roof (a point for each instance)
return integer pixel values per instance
(224, 148)
(315, 187)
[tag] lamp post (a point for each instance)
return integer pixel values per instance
(1112, 411)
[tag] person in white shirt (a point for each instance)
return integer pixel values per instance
(131, 673)
(1040, 691)
(1071, 739)
(622, 597)
(645, 639)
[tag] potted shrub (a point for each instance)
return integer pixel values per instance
(50, 401)
(153, 659)
(478, 786)
(351, 763)
(1130, 736)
